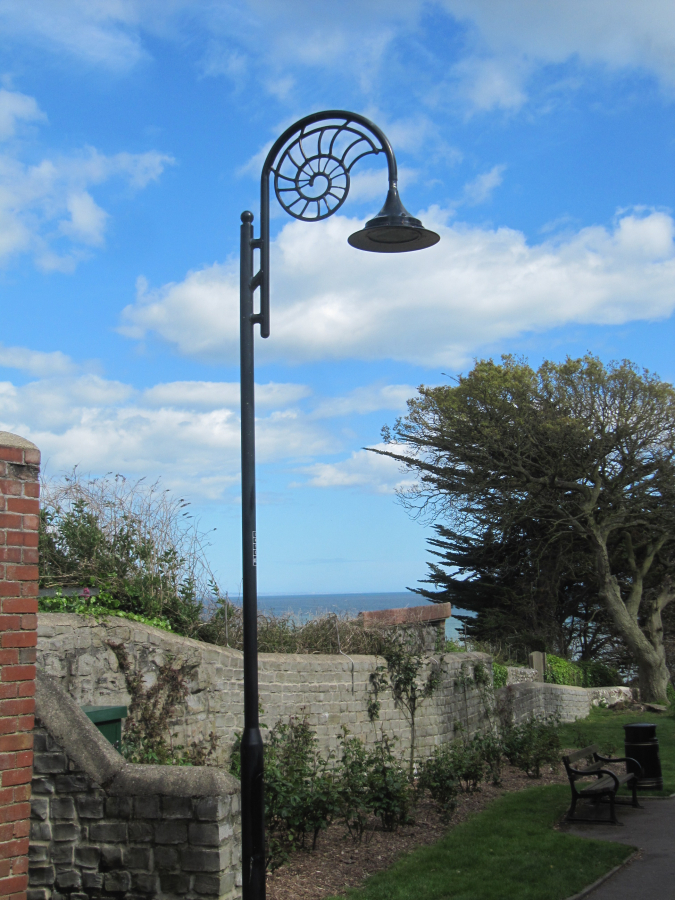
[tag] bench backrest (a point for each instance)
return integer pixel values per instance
(584, 753)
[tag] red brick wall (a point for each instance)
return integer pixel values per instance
(19, 508)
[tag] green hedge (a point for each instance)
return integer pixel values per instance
(580, 674)
(499, 674)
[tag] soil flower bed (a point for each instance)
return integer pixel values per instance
(339, 863)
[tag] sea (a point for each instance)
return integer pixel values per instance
(307, 606)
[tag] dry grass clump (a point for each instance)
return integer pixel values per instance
(330, 633)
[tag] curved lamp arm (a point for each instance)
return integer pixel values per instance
(311, 163)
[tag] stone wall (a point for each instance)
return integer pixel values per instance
(518, 674)
(104, 828)
(520, 701)
(331, 691)
(524, 699)
(610, 695)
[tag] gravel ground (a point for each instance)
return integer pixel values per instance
(338, 863)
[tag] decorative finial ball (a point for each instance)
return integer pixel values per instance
(247, 216)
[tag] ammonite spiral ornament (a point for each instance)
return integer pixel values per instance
(311, 179)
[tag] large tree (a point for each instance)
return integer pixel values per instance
(524, 591)
(580, 454)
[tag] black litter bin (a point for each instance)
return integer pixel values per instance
(642, 745)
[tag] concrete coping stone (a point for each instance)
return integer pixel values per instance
(7, 439)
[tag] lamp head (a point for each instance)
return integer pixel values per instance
(393, 230)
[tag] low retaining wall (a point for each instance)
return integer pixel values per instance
(102, 827)
(330, 690)
(609, 695)
(521, 701)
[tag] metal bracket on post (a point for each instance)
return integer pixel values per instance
(252, 786)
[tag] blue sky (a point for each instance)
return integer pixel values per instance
(537, 138)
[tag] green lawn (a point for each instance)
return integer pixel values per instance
(509, 851)
(603, 727)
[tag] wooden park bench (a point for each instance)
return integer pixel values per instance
(606, 783)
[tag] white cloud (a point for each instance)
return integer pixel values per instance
(508, 42)
(505, 43)
(47, 208)
(218, 394)
(491, 83)
(480, 189)
(36, 362)
(16, 107)
(99, 32)
(437, 307)
(617, 33)
(87, 220)
(365, 470)
(364, 400)
(187, 432)
(208, 298)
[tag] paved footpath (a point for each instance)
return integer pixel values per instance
(652, 829)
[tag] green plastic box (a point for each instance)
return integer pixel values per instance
(108, 720)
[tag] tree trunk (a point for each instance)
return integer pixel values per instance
(654, 680)
(647, 650)
(646, 647)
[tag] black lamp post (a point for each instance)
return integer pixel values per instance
(311, 162)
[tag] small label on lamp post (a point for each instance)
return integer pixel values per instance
(255, 552)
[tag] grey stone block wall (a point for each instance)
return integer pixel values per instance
(523, 700)
(103, 828)
(330, 690)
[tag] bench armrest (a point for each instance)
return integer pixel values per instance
(626, 759)
(585, 773)
(614, 776)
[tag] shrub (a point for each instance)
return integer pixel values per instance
(562, 671)
(467, 761)
(388, 785)
(133, 543)
(499, 675)
(101, 604)
(371, 781)
(599, 674)
(300, 793)
(492, 751)
(353, 787)
(286, 634)
(438, 776)
(532, 744)
(305, 791)
(587, 673)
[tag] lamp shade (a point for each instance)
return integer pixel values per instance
(393, 230)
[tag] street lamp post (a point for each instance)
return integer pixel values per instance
(311, 163)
